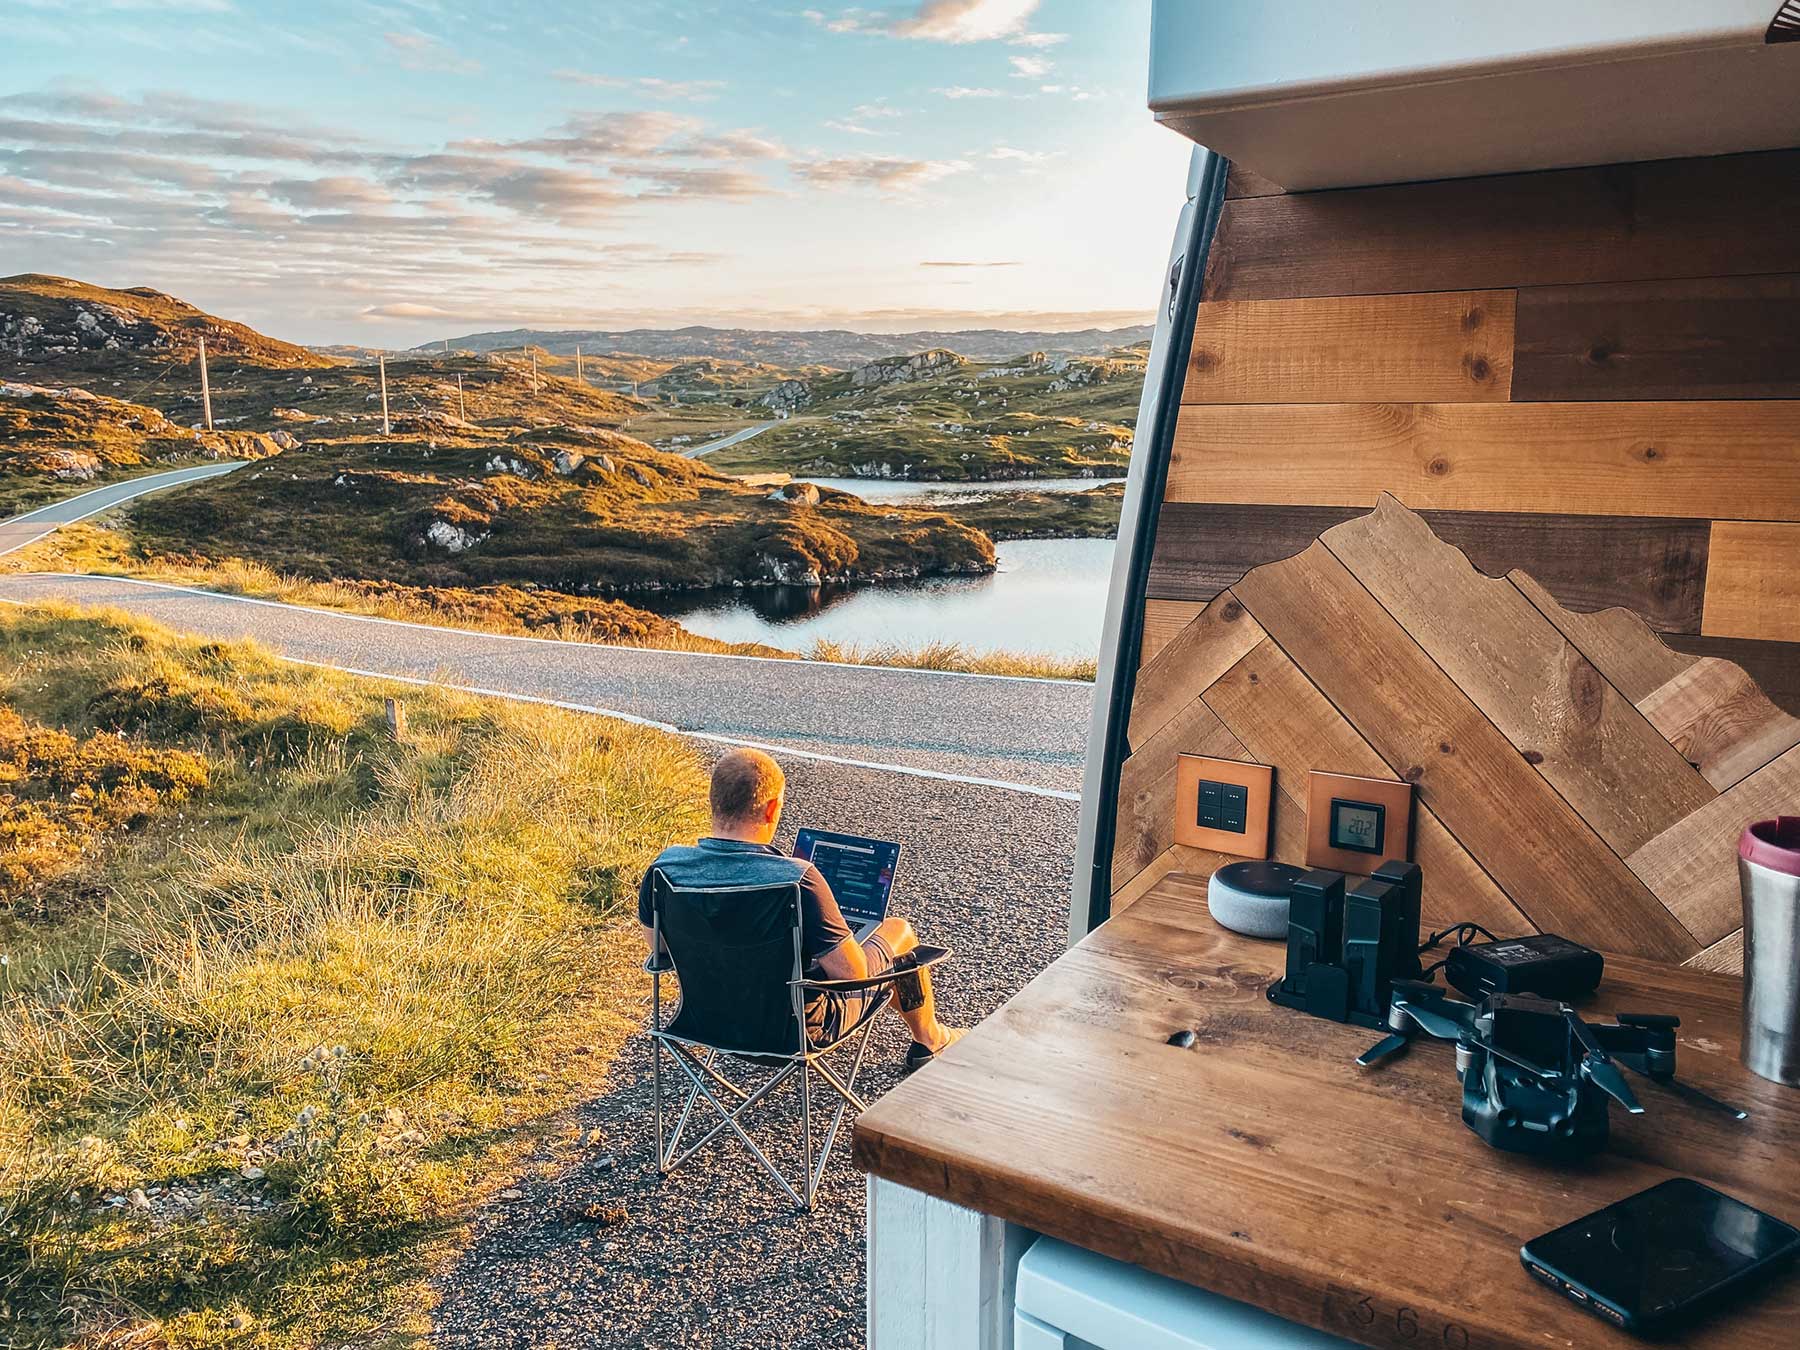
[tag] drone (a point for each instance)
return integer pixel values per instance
(1536, 1077)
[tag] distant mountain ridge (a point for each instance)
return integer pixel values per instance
(835, 347)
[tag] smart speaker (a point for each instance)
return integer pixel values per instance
(1252, 897)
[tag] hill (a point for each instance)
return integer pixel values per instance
(55, 441)
(835, 347)
(938, 416)
(46, 318)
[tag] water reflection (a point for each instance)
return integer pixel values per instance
(1047, 596)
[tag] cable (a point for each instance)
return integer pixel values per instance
(1465, 934)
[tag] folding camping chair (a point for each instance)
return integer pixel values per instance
(737, 954)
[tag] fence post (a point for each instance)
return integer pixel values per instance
(205, 386)
(396, 719)
(387, 428)
(462, 411)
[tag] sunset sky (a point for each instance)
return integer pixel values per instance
(389, 171)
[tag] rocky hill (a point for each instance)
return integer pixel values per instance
(53, 319)
(838, 348)
(936, 415)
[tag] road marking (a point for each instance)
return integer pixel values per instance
(352, 617)
(716, 738)
(149, 483)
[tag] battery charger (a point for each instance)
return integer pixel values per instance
(1542, 964)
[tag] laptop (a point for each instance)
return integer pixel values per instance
(859, 871)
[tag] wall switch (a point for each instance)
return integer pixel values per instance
(1223, 805)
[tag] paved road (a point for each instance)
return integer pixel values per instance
(1026, 734)
(735, 438)
(34, 525)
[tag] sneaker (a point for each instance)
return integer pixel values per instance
(917, 1056)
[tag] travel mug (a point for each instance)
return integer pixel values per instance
(1769, 872)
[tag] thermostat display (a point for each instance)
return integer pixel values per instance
(1357, 826)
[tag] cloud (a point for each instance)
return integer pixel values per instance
(1023, 156)
(408, 310)
(948, 263)
(964, 91)
(1038, 40)
(966, 20)
(954, 21)
(1030, 67)
(416, 51)
(887, 173)
(693, 91)
(332, 193)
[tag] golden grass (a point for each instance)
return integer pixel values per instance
(294, 1021)
(955, 656)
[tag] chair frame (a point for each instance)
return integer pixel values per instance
(699, 1062)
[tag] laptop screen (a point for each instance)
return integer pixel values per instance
(859, 871)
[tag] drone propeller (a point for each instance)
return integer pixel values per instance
(1430, 1020)
(1598, 1069)
(1383, 1048)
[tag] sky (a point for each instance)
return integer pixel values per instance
(386, 172)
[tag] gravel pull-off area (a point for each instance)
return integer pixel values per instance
(595, 1250)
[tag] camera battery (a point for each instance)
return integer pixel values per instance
(1543, 964)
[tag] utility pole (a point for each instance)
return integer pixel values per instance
(462, 412)
(534, 370)
(387, 427)
(578, 378)
(205, 387)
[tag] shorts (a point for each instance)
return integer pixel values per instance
(833, 1014)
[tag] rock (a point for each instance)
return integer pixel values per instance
(637, 475)
(796, 494)
(291, 414)
(567, 461)
(71, 466)
(137, 1199)
(251, 1172)
(903, 369)
(285, 439)
(512, 1193)
(452, 538)
(787, 397)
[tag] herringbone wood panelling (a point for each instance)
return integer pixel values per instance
(1621, 428)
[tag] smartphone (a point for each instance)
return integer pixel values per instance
(1661, 1256)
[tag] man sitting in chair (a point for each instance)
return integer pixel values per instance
(748, 793)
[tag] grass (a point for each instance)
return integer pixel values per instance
(954, 656)
(303, 992)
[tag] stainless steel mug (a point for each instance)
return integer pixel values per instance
(1769, 872)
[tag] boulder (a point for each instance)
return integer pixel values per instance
(285, 439)
(451, 538)
(71, 466)
(796, 494)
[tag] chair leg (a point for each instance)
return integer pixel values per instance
(808, 1177)
(730, 1120)
(656, 1054)
(847, 1091)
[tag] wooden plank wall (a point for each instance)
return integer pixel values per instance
(1585, 385)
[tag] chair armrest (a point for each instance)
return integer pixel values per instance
(659, 964)
(919, 958)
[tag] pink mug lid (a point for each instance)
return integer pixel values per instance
(1774, 844)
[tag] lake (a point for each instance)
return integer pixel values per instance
(1047, 596)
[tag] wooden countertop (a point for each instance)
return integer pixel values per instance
(1264, 1165)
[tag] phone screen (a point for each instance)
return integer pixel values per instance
(1659, 1250)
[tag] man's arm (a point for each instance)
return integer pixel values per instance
(824, 922)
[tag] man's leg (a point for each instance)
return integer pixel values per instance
(912, 995)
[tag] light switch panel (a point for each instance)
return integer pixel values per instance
(1223, 805)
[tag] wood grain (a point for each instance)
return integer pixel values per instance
(1163, 619)
(1726, 955)
(1443, 346)
(1621, 776)
(1697, 459)
(1656, 567)
(1145, 826)
(1753, 580)
(1281, 718)
(1242, 182)
(1261, 1165)
(1204, 650)
(1706, 337)
(1709, 709)
(1775, 666)
(1692, 865)
(1728, 215)
(1496, 805)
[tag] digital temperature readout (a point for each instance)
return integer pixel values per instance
(1357, 826)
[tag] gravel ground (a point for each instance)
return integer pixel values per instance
(714, 1255)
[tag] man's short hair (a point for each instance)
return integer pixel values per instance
(743, 782)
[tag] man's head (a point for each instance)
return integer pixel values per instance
(747, 792)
